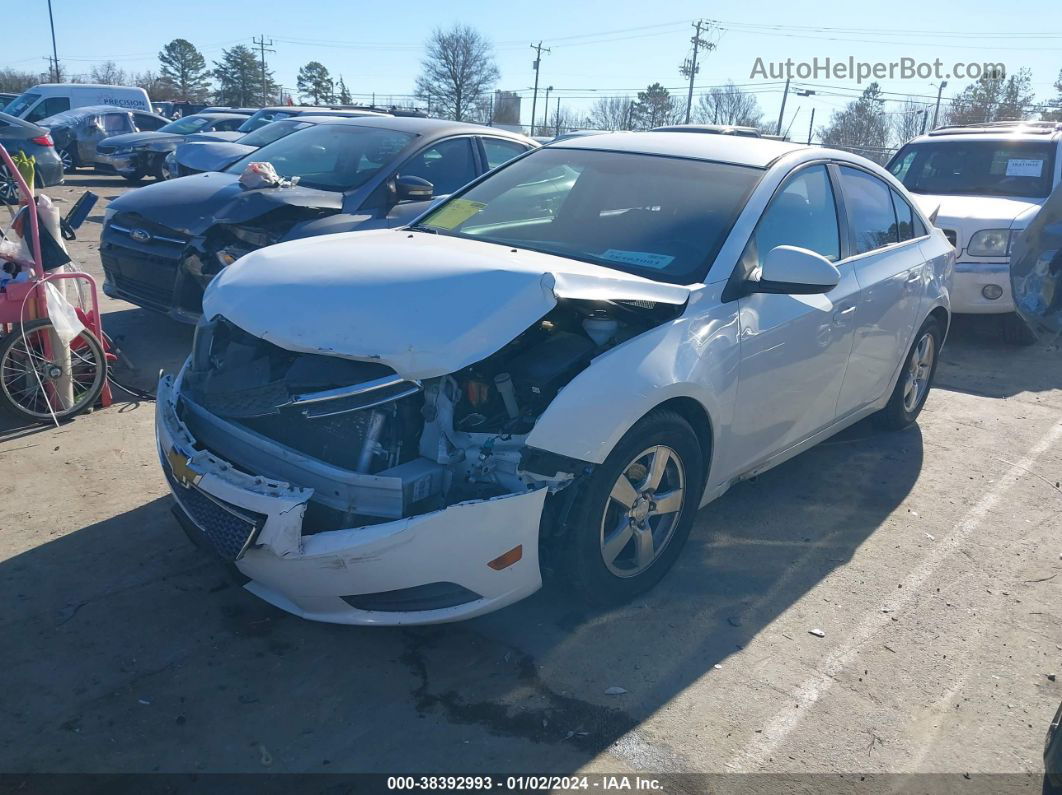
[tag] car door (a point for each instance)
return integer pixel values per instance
(793, 348)
(448, 165)
(891, 272)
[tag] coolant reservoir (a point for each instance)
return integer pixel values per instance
(600, 329)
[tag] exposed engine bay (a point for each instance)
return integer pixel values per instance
(375, 447)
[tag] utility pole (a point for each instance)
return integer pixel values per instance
(261, 42)
(538, 48)
(558, 117)
(689, 67)
(811, 126)
(925, 118)
(545, 112)
(781, 113)
(55, 54)
(936, 110)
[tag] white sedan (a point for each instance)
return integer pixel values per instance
(553, 369)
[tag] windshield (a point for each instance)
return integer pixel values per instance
(273, 131)
(335, 157)
(185, 126)
(977, 168)
(660, 217)
(261, 118)
(21, 103)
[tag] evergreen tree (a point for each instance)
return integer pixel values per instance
(183, 68)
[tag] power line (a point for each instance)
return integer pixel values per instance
(261, 43)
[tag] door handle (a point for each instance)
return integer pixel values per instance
(914, 277)
(840, 315)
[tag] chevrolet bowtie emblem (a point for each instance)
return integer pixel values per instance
(182, 473)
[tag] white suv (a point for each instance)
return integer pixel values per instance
(985, 183)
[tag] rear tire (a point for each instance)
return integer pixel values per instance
(635, 513)
(1016, 331)
(134, 178)
(915, 381)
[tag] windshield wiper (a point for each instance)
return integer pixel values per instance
(421, 228)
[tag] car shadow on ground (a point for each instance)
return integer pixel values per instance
(136, 653)
(978, 361)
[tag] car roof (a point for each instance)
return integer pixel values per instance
(719, 129)
(84, 85)
(434, 128)
(14, 121)
(214, 115)
(738, 149)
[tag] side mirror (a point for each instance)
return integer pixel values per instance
(789, 270)
(413, 189)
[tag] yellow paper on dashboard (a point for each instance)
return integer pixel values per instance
(454, 213)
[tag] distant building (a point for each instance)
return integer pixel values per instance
(506, 108)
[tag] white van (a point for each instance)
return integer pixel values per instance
(47, 99)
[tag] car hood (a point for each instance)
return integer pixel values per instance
(423, 304)
(194, 204)
(134, 139)
(211, 155)
(998, 210)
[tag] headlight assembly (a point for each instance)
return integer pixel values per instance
(989, 243)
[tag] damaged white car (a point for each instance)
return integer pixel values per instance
(553, 369)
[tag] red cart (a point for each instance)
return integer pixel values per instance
(41, 378)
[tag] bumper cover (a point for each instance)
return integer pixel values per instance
(116, 164)
(967, 281)
(314, 576)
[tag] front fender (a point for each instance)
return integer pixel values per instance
(695, 356)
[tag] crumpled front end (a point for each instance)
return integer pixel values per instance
(446, 564)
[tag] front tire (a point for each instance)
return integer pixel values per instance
(916, 379)
(635, 513)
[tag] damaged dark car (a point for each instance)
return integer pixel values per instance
(162, 244)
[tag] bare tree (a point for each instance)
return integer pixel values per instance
(861, 127)
(561, 120)
(156, 86)
(610, 113)
(993, 98)
(728, 105)
(457, 71)
(16, 82)
(109, 73)
(908, 121)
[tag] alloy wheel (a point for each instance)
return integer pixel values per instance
(919, 370)
(642, 511)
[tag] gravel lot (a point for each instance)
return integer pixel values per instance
(930, 559)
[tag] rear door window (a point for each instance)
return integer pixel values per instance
(871, 216)
(500, 151)
(905, 217)
(116, 123)
(447, 165)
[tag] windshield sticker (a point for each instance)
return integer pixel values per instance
(645, 259)
(1024, 168)
(454, 213)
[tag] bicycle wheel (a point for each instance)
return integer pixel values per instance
(34, 385)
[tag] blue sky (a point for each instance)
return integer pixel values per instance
(598, 49)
